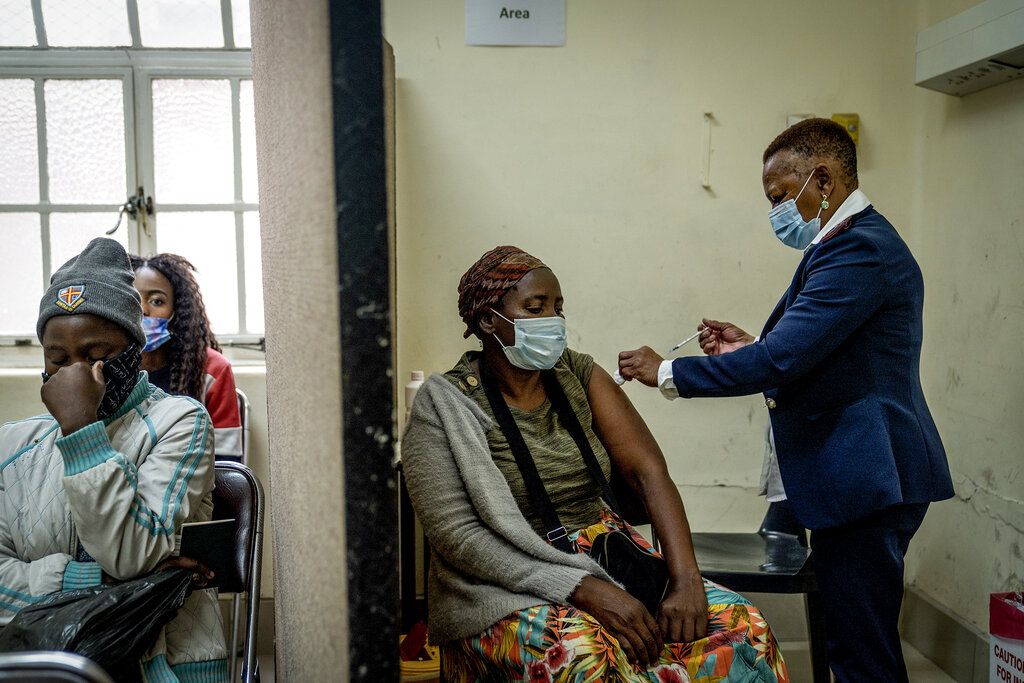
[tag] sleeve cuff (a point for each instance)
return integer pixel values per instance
(81, 575)
(85, 449)
(666, 384)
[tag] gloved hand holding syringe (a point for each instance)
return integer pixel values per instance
(620, 380)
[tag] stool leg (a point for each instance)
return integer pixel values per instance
(817, 637)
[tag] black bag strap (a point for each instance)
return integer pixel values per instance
(556, 394)
(556, 533)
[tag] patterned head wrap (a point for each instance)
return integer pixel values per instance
(489, 279)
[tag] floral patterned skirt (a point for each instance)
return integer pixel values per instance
(561, 643)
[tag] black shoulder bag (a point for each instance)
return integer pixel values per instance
(644, 575)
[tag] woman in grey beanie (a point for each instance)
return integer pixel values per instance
(95, 491)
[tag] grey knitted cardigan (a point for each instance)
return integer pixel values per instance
(486, 560)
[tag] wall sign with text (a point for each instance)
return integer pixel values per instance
(515, 22)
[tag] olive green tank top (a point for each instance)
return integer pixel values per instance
(575, 495)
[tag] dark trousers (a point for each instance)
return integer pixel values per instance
(859, 567)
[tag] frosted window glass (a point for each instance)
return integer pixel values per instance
(192, 142)
(78, 23)
(181, 23)
(19, 172)
(21, 278)
(253, 274)
(70, 232)
(17, 27)
(207, 239)
(240, 22)
(85, 141)
(250, 189)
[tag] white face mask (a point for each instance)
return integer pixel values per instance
(539, 342)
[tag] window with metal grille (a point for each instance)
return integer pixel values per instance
(134, 114)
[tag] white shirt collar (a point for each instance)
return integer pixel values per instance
(853, 204)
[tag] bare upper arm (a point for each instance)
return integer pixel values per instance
(625, 435)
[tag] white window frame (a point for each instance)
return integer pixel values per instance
(44, 207)
(137, 68)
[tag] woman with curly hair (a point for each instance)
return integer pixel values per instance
(181, 354)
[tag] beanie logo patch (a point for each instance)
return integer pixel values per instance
(70, 297)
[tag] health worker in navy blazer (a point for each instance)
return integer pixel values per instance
(839, 365)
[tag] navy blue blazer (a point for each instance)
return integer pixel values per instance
(839, 364)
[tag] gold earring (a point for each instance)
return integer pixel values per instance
(824, 202)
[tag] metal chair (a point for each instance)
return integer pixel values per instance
(238, 494)
(244, 414)
(236, 603)
(775, 559)
(50, 667)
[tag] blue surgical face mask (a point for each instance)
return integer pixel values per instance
(539, 342)
(790, 227)
(156, 332)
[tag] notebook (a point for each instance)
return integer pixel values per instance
(212, 543)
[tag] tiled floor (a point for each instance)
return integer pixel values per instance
(919, 669)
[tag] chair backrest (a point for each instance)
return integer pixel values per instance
(238, 494)
(243, 414)
(50, 667)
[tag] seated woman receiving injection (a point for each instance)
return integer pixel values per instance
(181, 354)
(505, 604)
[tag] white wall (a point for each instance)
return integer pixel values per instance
(968, 235)
(589, 157)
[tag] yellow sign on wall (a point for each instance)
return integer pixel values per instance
(851, 122)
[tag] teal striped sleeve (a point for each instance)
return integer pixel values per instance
(212, 671)
(82, 575)
(157, 670)
(14, 601)
(85, 449)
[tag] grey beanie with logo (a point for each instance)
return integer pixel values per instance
(100, 281)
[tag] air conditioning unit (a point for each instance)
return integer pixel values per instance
(976, 49)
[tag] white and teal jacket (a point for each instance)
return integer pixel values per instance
(122, 487)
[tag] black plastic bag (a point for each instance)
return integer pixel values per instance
(111, 624)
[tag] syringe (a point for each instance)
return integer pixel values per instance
(687, 340)
(620, 380)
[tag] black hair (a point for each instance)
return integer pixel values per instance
(817, 138)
